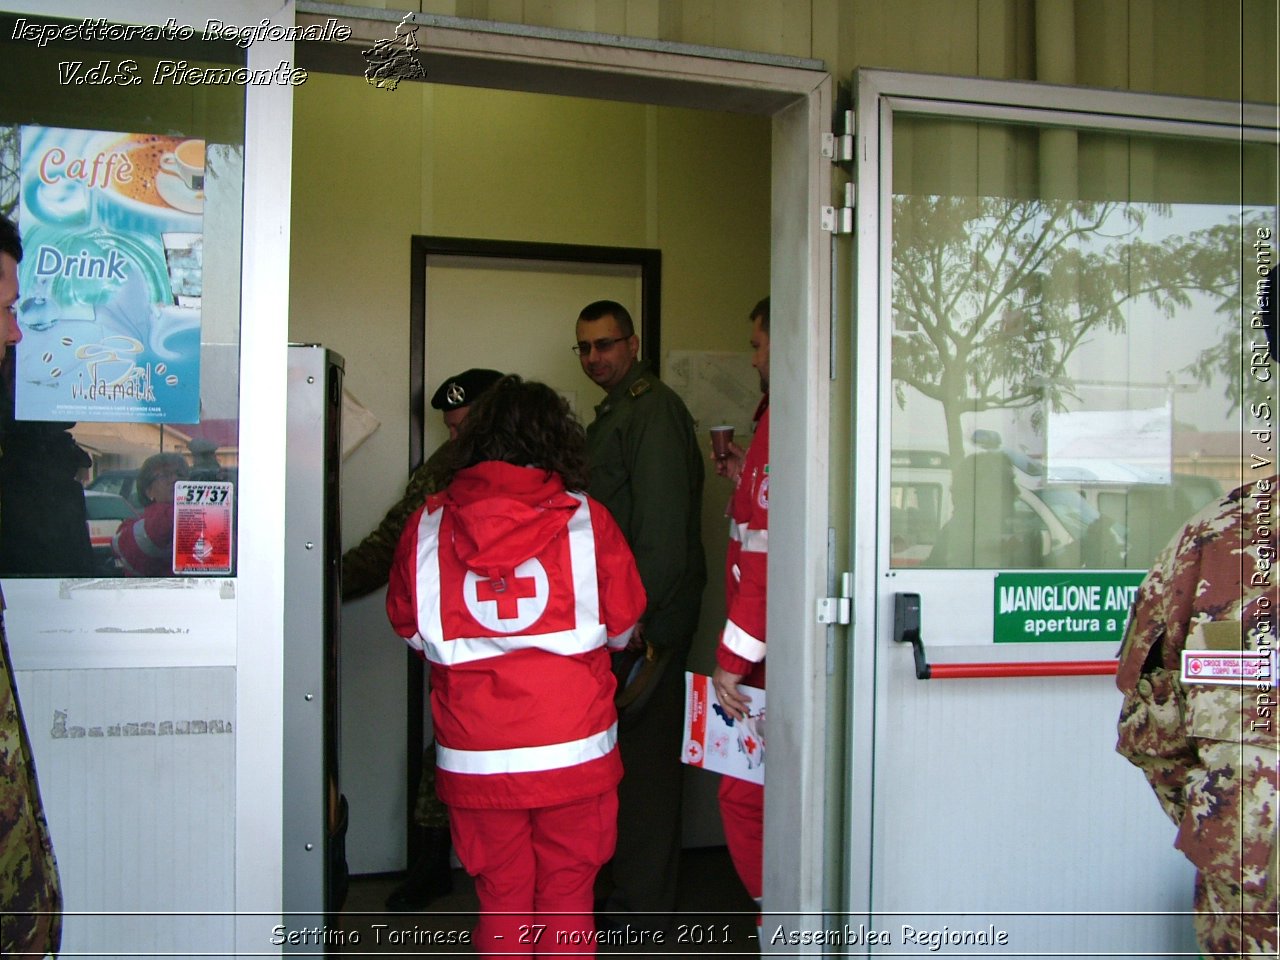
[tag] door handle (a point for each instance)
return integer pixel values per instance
(906, 629)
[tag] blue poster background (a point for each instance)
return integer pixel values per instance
(112, 239)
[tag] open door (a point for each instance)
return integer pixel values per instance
(1053, 289)
(796, 96)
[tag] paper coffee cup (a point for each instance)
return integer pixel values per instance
(721, 437)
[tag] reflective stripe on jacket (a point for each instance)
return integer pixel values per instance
(512, 589)
(742, 641)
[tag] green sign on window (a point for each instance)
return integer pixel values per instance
(1064, 607)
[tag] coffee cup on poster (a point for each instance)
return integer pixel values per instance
(187, 163)
(721, 437)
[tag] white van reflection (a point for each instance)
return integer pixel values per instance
(1008, 517)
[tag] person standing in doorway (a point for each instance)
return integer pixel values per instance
(646, 468)
(30, 891)
(513, 584)
(741, 654)
(1209, 745)
(365, 568)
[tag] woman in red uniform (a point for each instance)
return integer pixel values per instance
(144, 545)
(514, 586)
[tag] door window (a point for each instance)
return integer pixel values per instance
(125, 179)
(1066, 335)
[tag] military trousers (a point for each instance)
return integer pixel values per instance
(1232, 921)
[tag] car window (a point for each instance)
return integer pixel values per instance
(107, 507)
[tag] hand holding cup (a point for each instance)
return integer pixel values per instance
(728, 456)
(721, 437)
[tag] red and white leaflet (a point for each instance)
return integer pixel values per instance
(202, 527)
(715, 741)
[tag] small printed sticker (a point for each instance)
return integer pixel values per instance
(202, 527)
(1234, 667)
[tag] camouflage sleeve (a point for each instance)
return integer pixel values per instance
(1230, 823)
(365, 567)
(1153, 739)
(1152, 728)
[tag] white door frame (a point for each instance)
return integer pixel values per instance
(259, 583)
(878, 95)
(797, 95)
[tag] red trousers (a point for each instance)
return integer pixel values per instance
(742, 811)
(535, 871)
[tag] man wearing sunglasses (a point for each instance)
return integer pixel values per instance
(646, 467)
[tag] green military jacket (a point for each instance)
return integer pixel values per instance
(365, 567)
(646, 468)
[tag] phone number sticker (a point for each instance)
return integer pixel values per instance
(202, 527)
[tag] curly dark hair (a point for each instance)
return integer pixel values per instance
(526, 423)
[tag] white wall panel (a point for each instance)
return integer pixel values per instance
(137, 773)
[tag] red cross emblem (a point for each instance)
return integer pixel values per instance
(507, 594)
(496, 603)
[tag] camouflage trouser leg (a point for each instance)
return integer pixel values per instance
(428, 810)
(30, 897)
(1232, 922)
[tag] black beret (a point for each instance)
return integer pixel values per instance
(463, 388)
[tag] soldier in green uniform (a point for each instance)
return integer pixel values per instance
(646, 467)
(30, 894)
(1209, 748)
(364, 569)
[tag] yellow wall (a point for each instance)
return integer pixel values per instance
(1206, 48)
(374, 167)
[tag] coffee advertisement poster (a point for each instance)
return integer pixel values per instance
(111, 276)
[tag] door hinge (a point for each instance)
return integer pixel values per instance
(838, 147)
(838, 609)
(839, 220)
(833, 609)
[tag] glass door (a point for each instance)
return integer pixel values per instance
(153, 310)
(1053, 311)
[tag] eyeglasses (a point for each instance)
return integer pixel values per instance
(583, 347)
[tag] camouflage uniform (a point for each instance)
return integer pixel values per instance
(1210, 750)
(364, 570)
(366, 565)
(30, 896)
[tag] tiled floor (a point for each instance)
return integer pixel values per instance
(716, 917)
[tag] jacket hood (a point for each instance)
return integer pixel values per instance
(504, 514)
